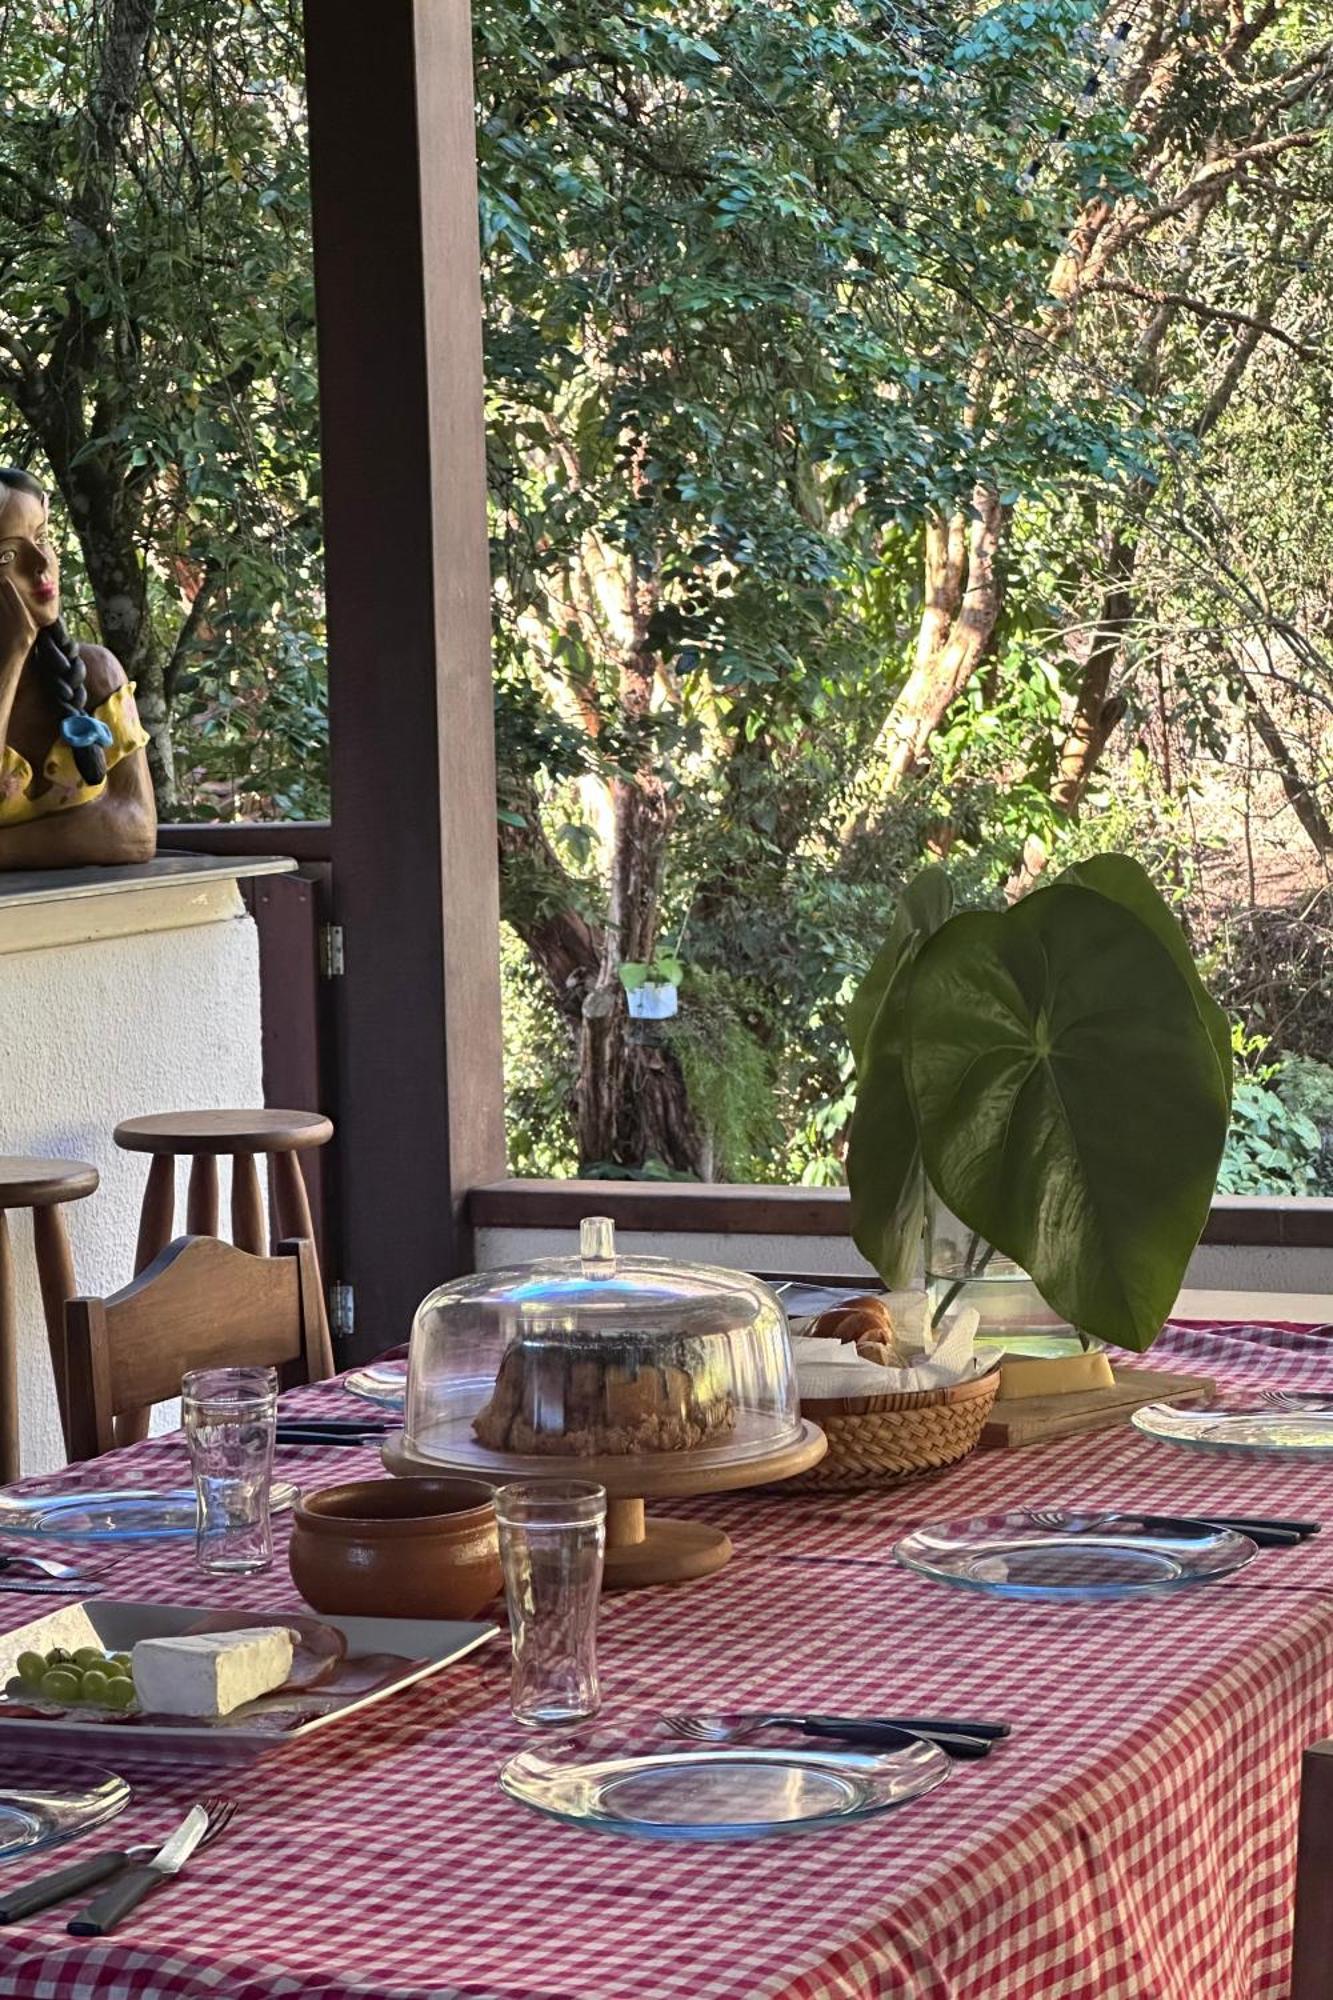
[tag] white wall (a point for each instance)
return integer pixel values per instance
(160, 1015)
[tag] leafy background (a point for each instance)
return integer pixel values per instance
(909, 438)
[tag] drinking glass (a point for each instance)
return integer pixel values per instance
(229, 1416)
(552, 1543)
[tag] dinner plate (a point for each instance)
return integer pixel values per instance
(128, 1515)
(1288, 1423)
(383, 1382)
(1067, 1554)
(38, 1809)
(721, 1794)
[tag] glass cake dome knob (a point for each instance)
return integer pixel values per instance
(597, 1246)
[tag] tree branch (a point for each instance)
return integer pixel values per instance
(1152, 295)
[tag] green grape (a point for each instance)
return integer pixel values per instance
(90, 1656)
(120, 1693)
(58, 1657)
(59, 1684)
(15, 1685)
(116, 1672)
(122, 1660)
(96, 1686)
(31, 1667)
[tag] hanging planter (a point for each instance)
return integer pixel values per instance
(652, 990)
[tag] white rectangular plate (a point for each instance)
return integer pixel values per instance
(115, 1625)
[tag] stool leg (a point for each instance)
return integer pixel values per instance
(55, 1273)
(293, 1218)
(157, 1217)
(247, 1207)
(9, 1363)
(201, 1209)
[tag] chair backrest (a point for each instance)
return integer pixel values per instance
(200, 1304)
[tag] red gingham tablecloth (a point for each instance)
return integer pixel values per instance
(1133, 1840)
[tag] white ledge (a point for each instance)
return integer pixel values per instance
(60, 906)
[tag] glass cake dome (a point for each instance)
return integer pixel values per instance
(601, 1356)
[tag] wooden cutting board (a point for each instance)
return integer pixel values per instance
(1034, 1419)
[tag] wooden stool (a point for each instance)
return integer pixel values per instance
(42, 1186)
(203, 1136)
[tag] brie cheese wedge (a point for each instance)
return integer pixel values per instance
(210, 1673)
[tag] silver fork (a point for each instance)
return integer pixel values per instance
(44, 1565)
(45, 1576)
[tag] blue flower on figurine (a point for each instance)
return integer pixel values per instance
(85, 732)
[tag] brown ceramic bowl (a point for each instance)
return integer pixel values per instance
(397, 1548)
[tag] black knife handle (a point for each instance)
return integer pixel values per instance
(994, 1732)
(16, 1904)
(1244, 1523)
(894, 1735)
(916, 1725)
(116, 1901)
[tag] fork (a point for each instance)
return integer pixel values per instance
(956, 1738)
(45, 1890)
(44, 1565)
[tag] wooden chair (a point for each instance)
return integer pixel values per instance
(203, 1137)
(42, 1186)
(201, 1304)
(1312, 1946)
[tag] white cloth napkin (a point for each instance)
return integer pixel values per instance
(827, 1368)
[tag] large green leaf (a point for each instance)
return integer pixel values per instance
(884, 1170)
(1069, 1102)
(1128, 882)
(923, 906)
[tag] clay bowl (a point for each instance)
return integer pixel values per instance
(397, 1548)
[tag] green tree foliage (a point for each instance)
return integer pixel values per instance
(883, 465)
(157, 363)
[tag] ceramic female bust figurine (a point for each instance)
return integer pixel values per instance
(75, 788)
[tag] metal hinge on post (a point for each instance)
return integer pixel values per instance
(342, 1311)
(331, 959)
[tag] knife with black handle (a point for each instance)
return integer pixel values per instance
(15, 1904)
(130, 1887)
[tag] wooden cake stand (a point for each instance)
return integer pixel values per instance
(639, 1549)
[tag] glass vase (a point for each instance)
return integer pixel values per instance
(963, 1269)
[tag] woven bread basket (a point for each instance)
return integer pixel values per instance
(879, 1440)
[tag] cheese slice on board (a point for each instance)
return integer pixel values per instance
(210, 1673)
(1066, 1375)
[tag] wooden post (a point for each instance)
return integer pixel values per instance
(420, 1098)
(1312, 1953)
(9, 1362)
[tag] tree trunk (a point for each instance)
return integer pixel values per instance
(1098, 711)
(1097, 714)
(962, 604)
(632, 1104)
(103, 513)
(1300, 795)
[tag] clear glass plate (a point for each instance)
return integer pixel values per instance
(1064, 1554)
(384, 1382)
(37, 1811)
(1296, 1423)
(721, 1794)
(128, 1515)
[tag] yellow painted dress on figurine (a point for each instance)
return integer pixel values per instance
(64, 785)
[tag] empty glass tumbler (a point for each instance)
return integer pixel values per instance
(229, 1416)
(552, 1545)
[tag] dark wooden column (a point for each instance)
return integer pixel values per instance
(414, 852)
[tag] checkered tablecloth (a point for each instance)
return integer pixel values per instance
(1133, 1840)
